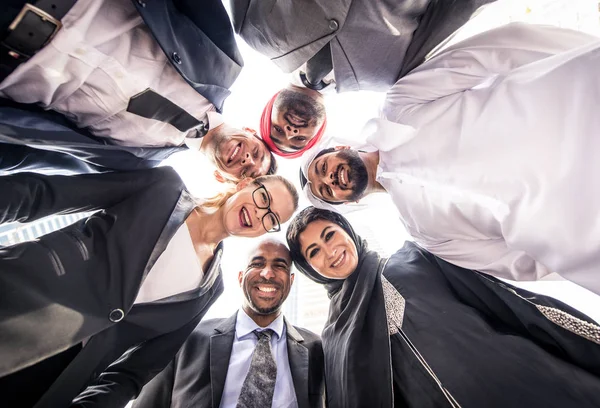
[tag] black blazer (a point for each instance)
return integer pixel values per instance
(79, 283)
(196, 377)
(198, 39)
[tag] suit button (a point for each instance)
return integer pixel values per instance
(176, 58)
(116, 315)
(141, 3)
(333, 25)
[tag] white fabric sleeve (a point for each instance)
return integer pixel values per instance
(489, 256)
(475, 62)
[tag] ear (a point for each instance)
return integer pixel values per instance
(292, 274)
(242, 184)
(247, 129)
(342, 147)
(240, 277)
(219, 177)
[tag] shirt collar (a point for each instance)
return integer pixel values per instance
(244, 325)
(214, 119)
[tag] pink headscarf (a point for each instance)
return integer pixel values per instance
(265, 133)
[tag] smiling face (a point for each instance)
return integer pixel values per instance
(339, 176)
(296, 118)
(328, 249)
(238, 153)
(245, 213)
(267, 280)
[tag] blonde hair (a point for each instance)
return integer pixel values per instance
(217, 201)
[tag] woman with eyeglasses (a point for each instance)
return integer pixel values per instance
(416, 331)
(123, 287)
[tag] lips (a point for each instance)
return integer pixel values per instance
(342, 177)
(267, 291)
(245, 221)
(339, 261)
(296, 120)
(234, 153)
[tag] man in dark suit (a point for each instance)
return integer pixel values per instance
(127, 83)
(222, 362)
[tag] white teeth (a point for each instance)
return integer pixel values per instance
(342, 176)
(339, 260)
(266, 289)
(246, 217)
(235, 152)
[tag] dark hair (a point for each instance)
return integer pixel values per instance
(299, 223)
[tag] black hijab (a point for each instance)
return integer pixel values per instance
(356, 342)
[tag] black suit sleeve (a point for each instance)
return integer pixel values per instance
(503, 303)
(29, 196)
(158, 392)
(123, 380)
(20, 158)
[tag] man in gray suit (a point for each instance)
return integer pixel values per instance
(254, 358)
(359, 44)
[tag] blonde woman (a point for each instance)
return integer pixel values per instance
(123, 287)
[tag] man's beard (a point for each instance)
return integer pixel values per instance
(303, 106)
(263, 310)
(357, 173)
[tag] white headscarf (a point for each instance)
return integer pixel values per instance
(342, 208)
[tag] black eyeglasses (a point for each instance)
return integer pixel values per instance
(261, 199)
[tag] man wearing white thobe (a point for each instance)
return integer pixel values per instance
(488, 151)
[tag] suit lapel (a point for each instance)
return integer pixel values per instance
(298, 356)
(221, 343)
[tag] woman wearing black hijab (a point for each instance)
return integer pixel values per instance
(416, 331)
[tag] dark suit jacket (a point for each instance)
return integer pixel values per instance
(72, 285)
(201, 36)
(196, 377)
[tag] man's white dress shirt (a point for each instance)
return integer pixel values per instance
(490, 153)
(244, 343)
(103, 55)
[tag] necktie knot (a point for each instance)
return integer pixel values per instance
(260, 334)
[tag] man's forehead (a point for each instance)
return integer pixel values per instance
(270, 250)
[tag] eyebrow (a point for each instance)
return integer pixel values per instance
(314, 244)
(321, 191)
(292, 147)
(281, 260)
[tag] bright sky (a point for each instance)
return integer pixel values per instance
(347, 113)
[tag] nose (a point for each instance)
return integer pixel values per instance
(330, 253)
(330, 179)
(291, 131)
(267, 273)
(248, 160)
